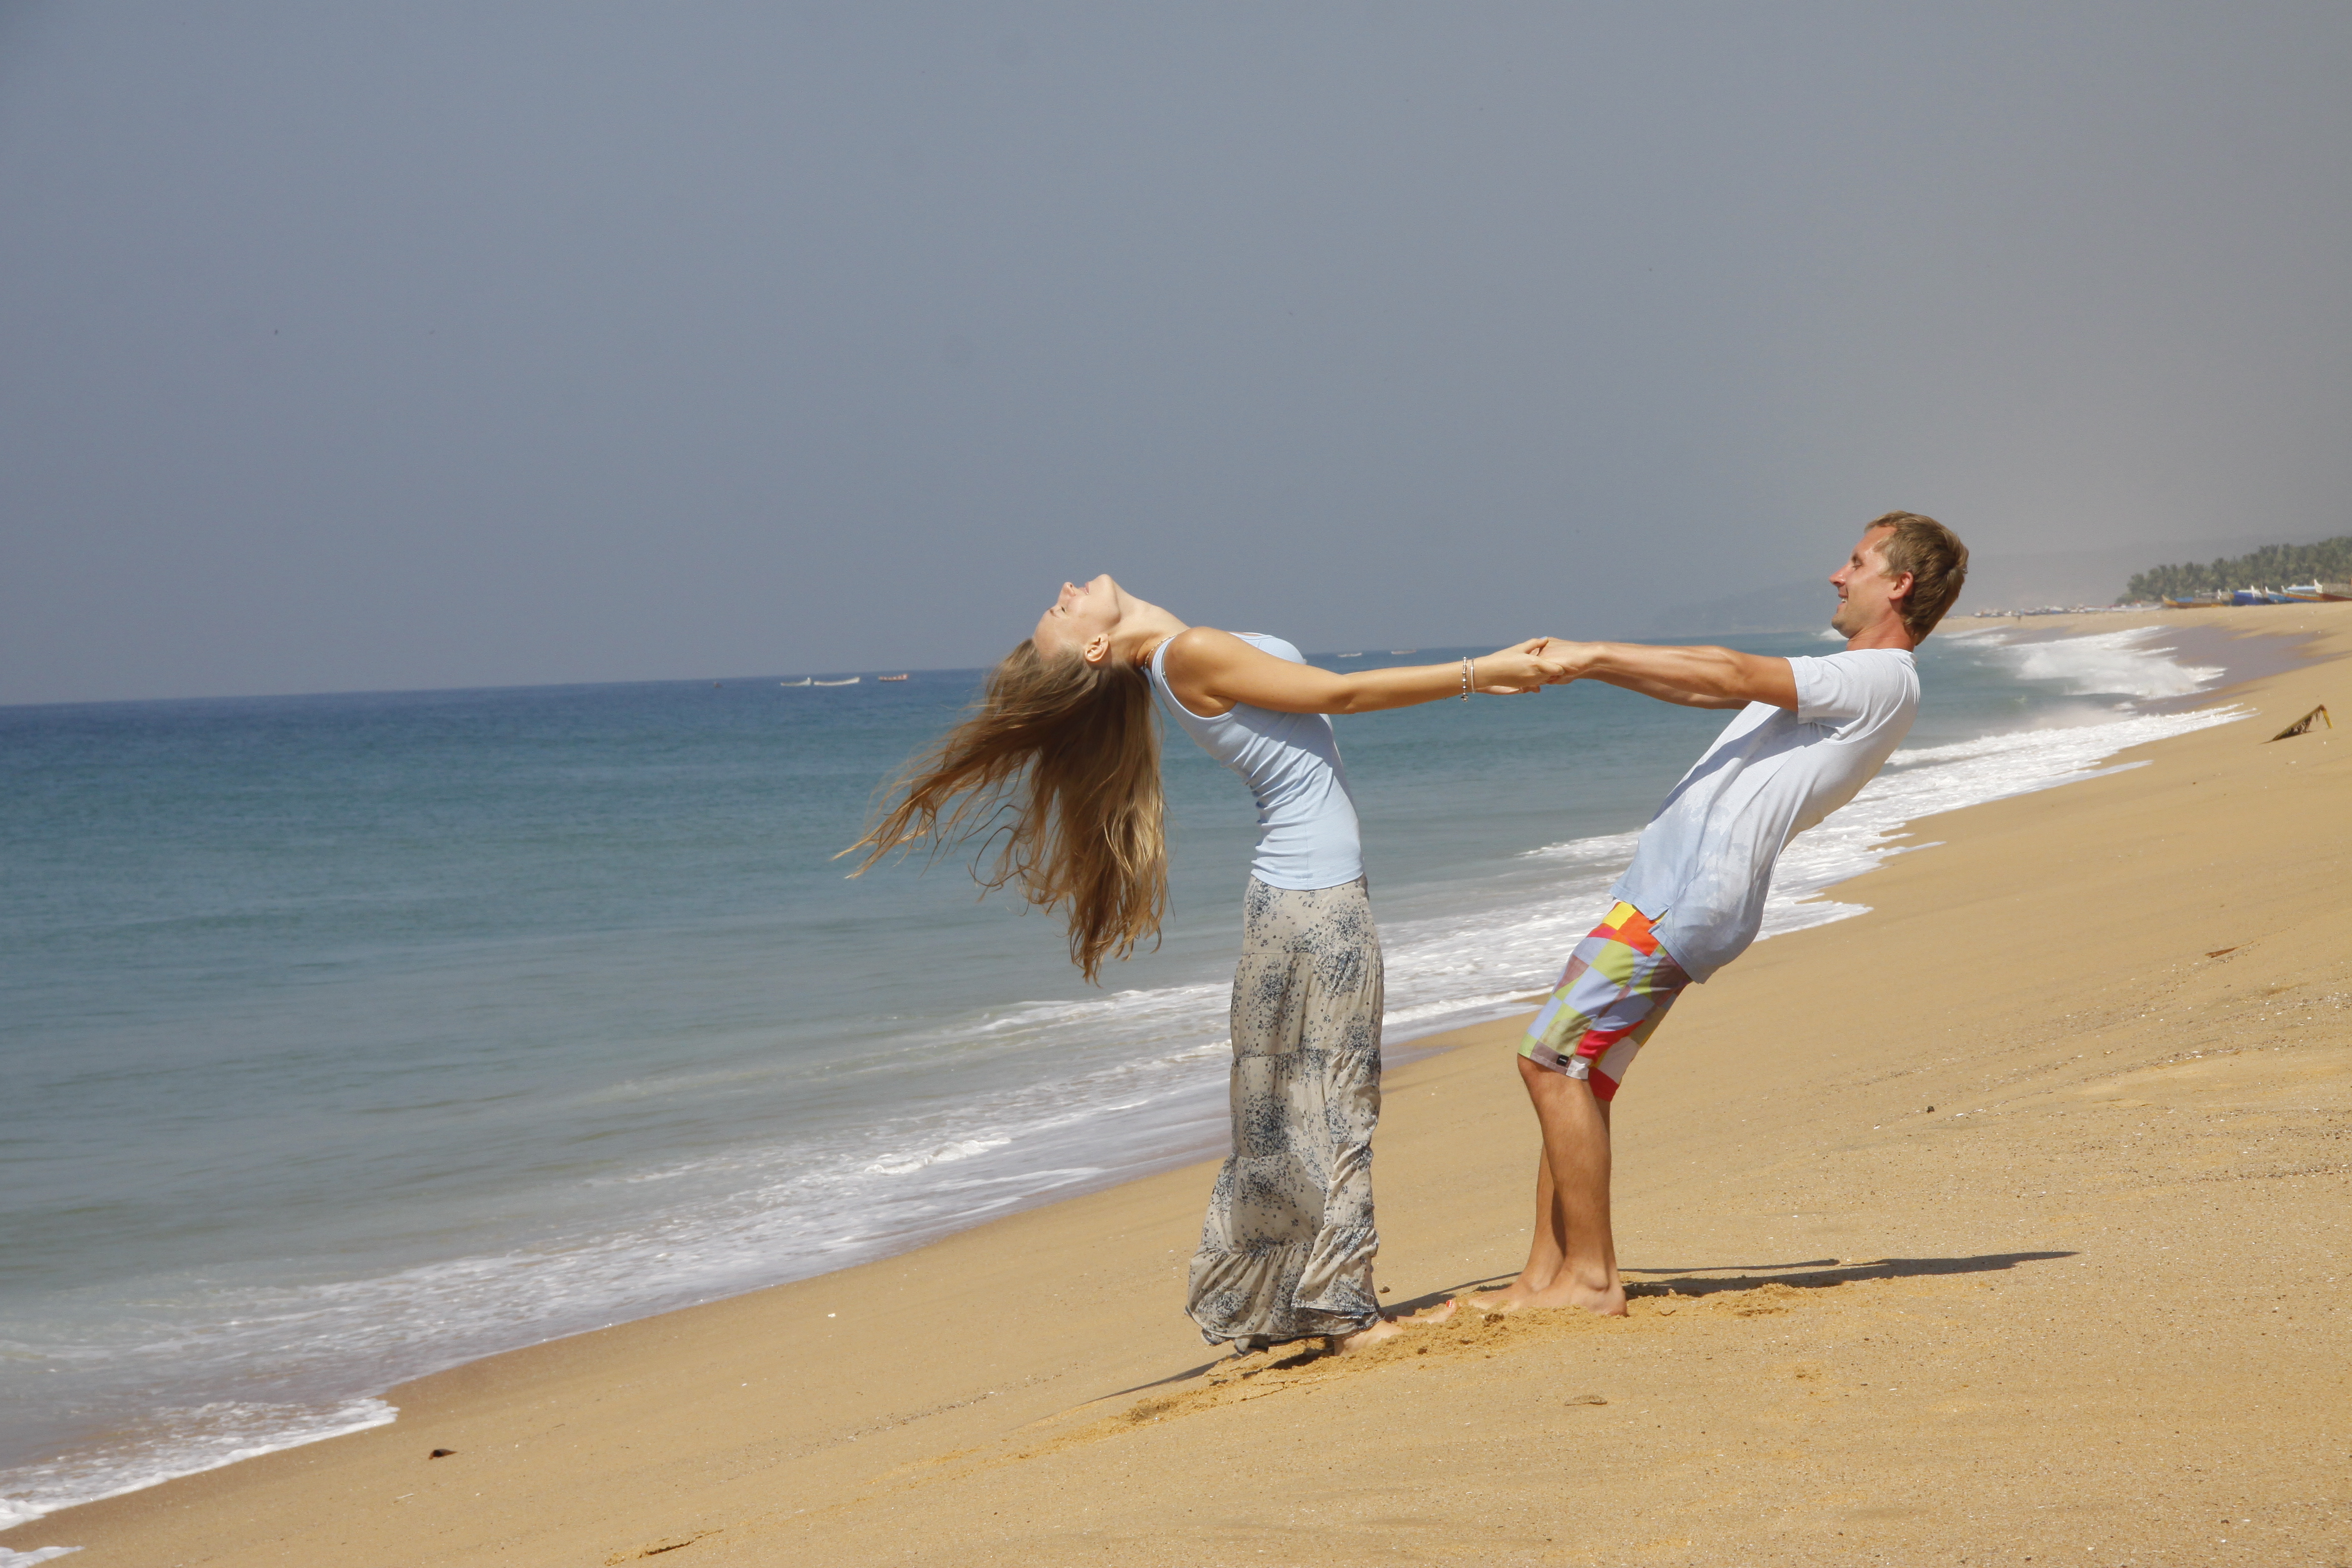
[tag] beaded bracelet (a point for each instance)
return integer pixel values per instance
(1466, 679)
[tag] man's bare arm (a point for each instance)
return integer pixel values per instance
(1665, 693)
(1694, 677)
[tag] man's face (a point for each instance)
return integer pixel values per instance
(1866, 591)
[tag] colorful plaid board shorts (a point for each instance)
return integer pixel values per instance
(1616, 988)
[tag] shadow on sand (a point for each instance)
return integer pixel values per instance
(1688, 1279)
(1704, 1279)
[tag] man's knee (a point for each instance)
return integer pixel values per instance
(1556, 1092)
(1532, 1073)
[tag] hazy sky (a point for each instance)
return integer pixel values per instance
(475, 344)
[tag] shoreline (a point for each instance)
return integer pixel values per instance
(1436, 1058)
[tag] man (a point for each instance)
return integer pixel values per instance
(1810, 734)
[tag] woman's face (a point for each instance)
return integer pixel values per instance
(1084, 611)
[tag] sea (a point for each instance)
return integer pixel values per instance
(343, 1038)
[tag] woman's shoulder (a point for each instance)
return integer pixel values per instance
(1210, 642)
(1265, 642)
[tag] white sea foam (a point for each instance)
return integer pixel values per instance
(27, 1559)
(1115, 1085)
(202, 1438)
(2128, 663)
(940, 1154)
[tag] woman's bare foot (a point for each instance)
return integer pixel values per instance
(1390, 1328)
(1367, 1337)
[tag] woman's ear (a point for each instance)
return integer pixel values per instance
(1097, 649)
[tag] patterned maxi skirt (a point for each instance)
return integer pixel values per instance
(1286, 1249)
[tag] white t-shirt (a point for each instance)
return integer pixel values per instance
(1705, 862)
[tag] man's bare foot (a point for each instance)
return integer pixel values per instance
(1431, 1316)
(1607, 1301)
(1496, 1303)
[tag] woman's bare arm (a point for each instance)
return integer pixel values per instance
(1211, 671)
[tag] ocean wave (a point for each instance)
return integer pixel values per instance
(2126, 664)
(173, 1442)
(940, 1154)
(1613, 850)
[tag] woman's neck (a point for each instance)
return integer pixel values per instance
(1142, 630)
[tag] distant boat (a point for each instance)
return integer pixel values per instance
(1351, 656)
(2258, 596)
(851, 682)
(890, 677)
(1400, 652)
(803, 680)
(2171, 603)
(2318, 593)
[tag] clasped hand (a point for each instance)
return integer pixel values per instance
(1522, 669)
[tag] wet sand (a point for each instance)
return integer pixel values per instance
(2006, 1223)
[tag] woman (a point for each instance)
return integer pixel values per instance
(1061, 756)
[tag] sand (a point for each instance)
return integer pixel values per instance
(2007, 1223)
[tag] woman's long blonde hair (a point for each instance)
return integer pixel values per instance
(1061, 758)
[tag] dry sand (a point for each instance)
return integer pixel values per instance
(2004, 1224)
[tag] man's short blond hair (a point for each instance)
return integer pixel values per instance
(1937, 559)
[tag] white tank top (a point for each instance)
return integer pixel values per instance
(1291, 763)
